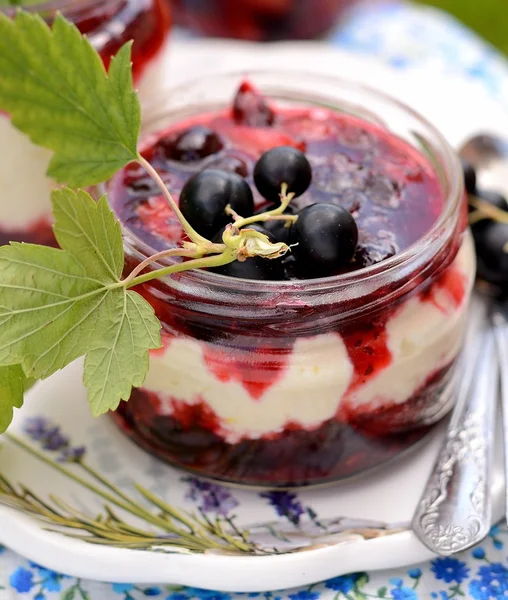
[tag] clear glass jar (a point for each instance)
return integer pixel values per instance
(108, 25)
(260, 20)
(295, 383)
(111, 23)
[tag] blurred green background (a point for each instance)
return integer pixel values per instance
(488, 17)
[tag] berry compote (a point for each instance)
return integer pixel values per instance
(295, 379)
(108, 24)
(261, 20)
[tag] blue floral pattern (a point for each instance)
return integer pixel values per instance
(480, 574)
(403, 36)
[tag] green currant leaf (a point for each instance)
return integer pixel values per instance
(58, 304)
(56, 89)
(12, 386)
(86, 231)
(123, 362)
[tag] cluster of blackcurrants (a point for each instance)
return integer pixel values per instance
(322, 238)
(490, 234)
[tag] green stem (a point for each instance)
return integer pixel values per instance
(193, 235)
(132, 509)
(285, 199)
(164, 507)
(217, 260)
(487, 210)
(196, 252)
(96, 475)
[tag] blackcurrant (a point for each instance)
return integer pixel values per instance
(231, 163)
(494, 198)
(268, 269)
(326, 236)
(193, 144)
(204, 198)
(469, 176)
(283, 164)
(492, 258)
(280, 229)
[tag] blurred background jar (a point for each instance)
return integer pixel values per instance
(260, 20)
(110, 23)
(25, 199)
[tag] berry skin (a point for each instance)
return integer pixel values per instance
(264, 269)
(204, 198)
(233, 164)
(493, 198)
(492, 259)
(469, 176)
(279, 229)
(193, 144)
(327, 236)
(283, 164)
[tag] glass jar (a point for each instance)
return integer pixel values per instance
(108, 25)
(111, 23)
(295, 383)
(260, 20)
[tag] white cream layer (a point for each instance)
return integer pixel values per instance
(25, 190)
(422, 336)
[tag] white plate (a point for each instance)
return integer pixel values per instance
(382, 501)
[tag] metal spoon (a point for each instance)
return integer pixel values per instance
(489, 156)
(454, 511)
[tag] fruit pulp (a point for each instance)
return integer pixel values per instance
(300, 389)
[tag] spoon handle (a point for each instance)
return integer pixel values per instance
(500, 321)
(454, 511)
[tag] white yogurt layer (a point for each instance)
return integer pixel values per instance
(24, 187)
(422, 336)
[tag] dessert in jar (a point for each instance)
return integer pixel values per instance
(108, 24)
(338, 356)
(261, 20)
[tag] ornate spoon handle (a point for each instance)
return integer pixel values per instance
(454, 512)
(500, 321)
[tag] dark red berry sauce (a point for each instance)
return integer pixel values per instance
(260, 20)
(251, 339)
(386, 184)
(38, 232)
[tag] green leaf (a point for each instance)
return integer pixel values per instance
(382, 592)
(15, 3)
(12, 386)
(49, 308)
(85, 229)
(56, 89)
(59, 304)
(122, 362)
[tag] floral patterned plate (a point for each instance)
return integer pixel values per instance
(78, 497)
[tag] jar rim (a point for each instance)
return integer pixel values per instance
(452, 199)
